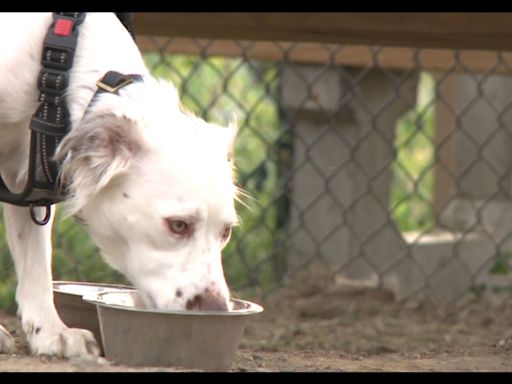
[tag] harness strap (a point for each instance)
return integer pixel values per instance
(51, 122)
(113, 81)
(127, 20)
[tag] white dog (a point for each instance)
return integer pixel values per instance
(151, 183)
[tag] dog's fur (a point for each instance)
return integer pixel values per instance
(151, 183)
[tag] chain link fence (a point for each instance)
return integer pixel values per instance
(386, 166)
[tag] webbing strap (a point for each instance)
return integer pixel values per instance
(51, 121)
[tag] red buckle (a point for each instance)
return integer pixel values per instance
(63, 27)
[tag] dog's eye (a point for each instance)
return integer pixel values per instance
(226, 233)
(178, 227)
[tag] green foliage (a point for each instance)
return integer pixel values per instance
(412, 185)
(501, 264)
(501, 267)
(7, 273)
(76, 257)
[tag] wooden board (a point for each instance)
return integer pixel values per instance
(483, 31)
(438, 60)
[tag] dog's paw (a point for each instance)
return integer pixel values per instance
(6, 341)
(63, 342)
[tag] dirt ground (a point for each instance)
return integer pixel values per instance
(330, 327)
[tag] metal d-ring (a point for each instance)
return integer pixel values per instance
(46, 217)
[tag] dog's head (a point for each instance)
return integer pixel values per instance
(153, 184)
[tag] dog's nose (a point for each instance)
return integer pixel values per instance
(208, 301)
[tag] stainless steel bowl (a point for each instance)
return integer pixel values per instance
(136, 336)
(75, 312)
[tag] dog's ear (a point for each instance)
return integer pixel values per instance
(97, 150)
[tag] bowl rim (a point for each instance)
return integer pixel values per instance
(95, 299)
(108, 286)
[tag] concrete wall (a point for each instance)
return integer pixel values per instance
(343, 134)
(343, 150)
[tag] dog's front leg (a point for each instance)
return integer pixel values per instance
(6, 341)
(31, 248)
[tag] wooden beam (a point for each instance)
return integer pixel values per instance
(483, 31)
(351, 55)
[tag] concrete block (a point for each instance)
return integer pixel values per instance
(311, 87)
(444, 265)
(342, 167)
(484, 136)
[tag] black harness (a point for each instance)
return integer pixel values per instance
(51, 122)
